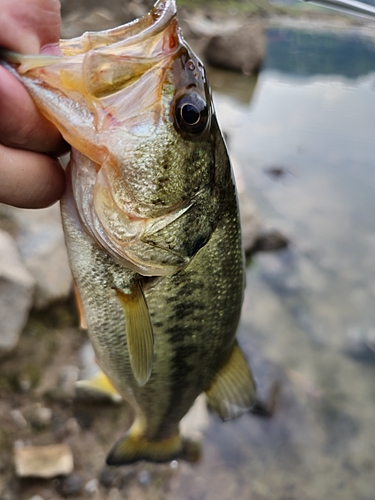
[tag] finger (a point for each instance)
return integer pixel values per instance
(21, 124)
(29, 180)
(27, 26)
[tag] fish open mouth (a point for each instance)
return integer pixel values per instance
(106, 92)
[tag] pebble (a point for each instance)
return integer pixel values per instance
(43, 461)
(91, 487)
(108, 477)
(41, 416)
(144, 478)
(18, 419)
(71, 485)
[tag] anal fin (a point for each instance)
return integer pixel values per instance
(232, 391)
(139, 333)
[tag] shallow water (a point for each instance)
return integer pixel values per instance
(305, 144)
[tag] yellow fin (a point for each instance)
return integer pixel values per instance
(232, 391)
(139, 333)
(100, 384)
(133, 447)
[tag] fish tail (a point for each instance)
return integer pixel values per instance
(134, 447)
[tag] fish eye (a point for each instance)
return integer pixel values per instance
(191, 113)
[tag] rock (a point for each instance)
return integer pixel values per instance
(40, 240)
(43, 461)
(196, 421)
(66, 383)
(92, 489)
(71, 485)
(88, 365)
(238, 50)
(18, 419)
(114, 494)
(116, 477)
(144, 478)
(16, 293)
(270, 241)
(40, 416)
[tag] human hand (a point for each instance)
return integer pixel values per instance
(30, 174)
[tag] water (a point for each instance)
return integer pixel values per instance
(309, 309)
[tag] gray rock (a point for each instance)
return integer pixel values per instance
(238, 50)
(92, 487)
(43, 461)
(71, 485)
(40, 416)
(40, 240)
(16, 293)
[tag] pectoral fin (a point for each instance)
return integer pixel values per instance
(232, 392)
(139, 332)
(100, 384)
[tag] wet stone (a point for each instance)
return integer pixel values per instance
(71, 485)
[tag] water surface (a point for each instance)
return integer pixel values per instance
(309, 309)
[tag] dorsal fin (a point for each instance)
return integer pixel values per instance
(139, 333)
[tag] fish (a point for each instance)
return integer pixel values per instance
(151, 223)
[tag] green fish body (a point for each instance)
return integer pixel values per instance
(151, 222)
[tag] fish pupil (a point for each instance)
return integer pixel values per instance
(191, 114)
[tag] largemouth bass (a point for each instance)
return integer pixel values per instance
(151, 223)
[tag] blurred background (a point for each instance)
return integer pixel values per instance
(294, 91)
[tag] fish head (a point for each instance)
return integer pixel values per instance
(135, 104)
